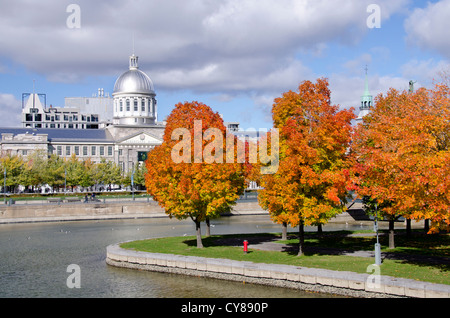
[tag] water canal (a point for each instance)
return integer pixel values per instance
(34, 258)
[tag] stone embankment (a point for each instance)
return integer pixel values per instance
(73, 211)
(309, 279)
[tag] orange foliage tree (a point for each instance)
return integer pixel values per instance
(310, 185)
(189, 174)
(402, 155)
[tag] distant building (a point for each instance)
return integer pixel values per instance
(100, 104)
(35, 114)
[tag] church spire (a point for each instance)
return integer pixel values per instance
(366, 86)
(366, 99)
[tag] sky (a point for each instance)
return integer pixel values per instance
(236, 56)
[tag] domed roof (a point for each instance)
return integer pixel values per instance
(133, 80)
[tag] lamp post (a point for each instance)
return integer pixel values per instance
(4, 186)
(132, 183)
(377, 244)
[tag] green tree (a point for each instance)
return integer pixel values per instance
(54, 172)
(37, 163)
(15, 167)
(107, 173)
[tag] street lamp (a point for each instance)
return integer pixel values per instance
(377, 244)
(4, 186)
(132, 183)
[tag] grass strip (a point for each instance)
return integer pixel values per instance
(429, 259)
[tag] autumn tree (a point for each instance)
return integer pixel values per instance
(402, 153)
(309, 186)
(189, 174)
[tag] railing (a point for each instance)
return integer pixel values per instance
(80, 198)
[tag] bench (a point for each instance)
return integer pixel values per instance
(54, 200)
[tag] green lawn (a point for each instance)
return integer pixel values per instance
(419, 246)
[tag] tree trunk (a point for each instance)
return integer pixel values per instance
(301, 239)
(391, 233)
(284, 231)
(319, 229)
(199, 234)
(208, 228)
(408, 227)
(426, 225)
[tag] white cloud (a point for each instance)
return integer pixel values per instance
(247, 42)
(428, 27)
(427, 71)
(9, 105)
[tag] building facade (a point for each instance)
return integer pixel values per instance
(120, 129)
(35, 114)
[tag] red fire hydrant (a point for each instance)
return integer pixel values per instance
(245, 246)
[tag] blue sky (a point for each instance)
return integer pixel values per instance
(233, 55)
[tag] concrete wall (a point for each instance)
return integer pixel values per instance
(92, 211)
(78, 211)
(110, 210)
(311, 279)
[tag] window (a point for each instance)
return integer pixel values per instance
(67, 150)
(102, 151)
(85, 150)
(128, 105)
(93, 150)
(110, 151)
(24, 152)
(59, 150)
(135, 105)
(77, 150)
(143, 105)
(121, 105)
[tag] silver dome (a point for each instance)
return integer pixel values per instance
(134, 80)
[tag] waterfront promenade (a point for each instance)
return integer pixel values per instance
(99, 210)
(74, 209)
